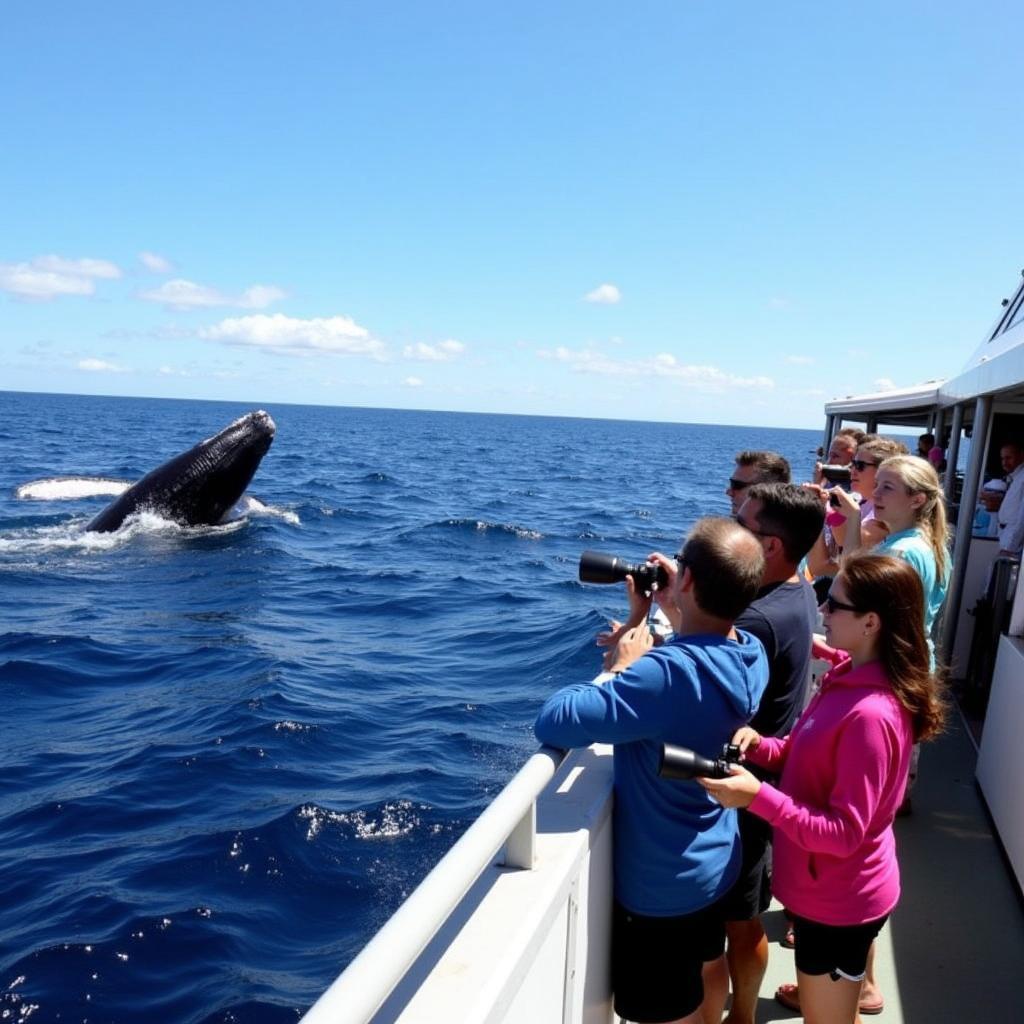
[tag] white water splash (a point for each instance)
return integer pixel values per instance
(247, 505)
(396, 819)
(72, 536)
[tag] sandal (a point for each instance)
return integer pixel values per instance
(789, 996)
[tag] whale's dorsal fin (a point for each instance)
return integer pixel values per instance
(66, 488)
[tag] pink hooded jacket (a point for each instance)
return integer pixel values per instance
(844, 771)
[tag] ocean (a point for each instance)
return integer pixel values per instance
(229, 753)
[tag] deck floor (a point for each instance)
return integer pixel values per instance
(953, 951)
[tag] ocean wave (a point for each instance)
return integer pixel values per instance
(482, 526)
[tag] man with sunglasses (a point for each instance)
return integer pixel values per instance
(787, 521)
(674, 855)
(755, 468)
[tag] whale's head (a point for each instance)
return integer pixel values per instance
(218, 470)
(200, 485)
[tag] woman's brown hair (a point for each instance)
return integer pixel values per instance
(891, 588)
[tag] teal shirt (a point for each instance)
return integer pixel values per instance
(912, 546)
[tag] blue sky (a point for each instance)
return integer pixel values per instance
(674, 211)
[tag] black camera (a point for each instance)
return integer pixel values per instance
(836, 474)
(683, 763)
(597, 567)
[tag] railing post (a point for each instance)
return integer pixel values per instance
(521, 846)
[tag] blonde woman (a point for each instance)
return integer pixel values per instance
(908, 501)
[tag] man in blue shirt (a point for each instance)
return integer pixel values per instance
(676, 852)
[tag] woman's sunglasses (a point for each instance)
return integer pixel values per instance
(860, 465)
(832, 605)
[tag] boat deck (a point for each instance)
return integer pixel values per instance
(954, 949)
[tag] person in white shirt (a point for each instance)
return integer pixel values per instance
(1011, 512)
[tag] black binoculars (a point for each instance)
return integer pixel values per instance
(683, 763)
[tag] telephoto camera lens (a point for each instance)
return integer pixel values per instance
(598, 567)
(683, 763)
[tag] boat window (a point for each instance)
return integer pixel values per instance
(1017, 315)
(1014, 315)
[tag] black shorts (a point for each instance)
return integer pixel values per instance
(752, 893)
(838, 950)
(657, 961)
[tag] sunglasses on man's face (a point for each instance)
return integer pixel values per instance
(751, 529)
(738, 485)
(832, 605)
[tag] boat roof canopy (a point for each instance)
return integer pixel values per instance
(910, 406)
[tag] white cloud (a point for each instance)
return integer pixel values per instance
(697, 377)
(412, 382)
(604, 295)
(99, 366)
(181, 294)
(173, 371)
(156, 263)
(440, 353)
(884, 384)
(47, 277)
(800, 360)
(336, 335)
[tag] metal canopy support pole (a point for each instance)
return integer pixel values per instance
(953, 453)
(830, 424)
(871, 425)
(964, 521)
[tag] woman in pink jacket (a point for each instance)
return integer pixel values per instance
(843, 772)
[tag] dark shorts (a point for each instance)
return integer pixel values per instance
(838, 950)
(657, 961)
(752, 892)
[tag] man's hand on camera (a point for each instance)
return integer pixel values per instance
(639, 607)
(635, 643)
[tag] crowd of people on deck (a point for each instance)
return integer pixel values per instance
(851, 569)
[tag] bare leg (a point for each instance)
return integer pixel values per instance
(716, 991)
(870, 994)
(824, 1001)
(748, 960)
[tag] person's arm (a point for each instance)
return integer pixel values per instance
(619, 711)
(639, 608)
(866, 756)
(848, 505)
(770, 753)
(819, 561)
(872, 533)
(1013, 541)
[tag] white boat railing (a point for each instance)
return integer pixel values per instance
(510, 820)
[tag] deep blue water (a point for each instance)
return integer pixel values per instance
(229, 753)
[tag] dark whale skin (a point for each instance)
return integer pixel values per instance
(197, 487)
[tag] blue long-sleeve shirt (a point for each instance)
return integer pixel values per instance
(676, 850)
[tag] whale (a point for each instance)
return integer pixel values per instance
(197, 487)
